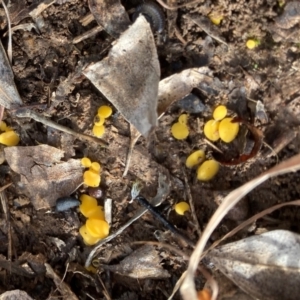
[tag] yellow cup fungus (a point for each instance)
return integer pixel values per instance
(195, 158)
(216, 18)
(211, 130)
(181, 208)
(183, 119)
(220, 112)
(87, 238)
(88, 204)
(180, 131)
(98, 131)
(228, 130)
(99, 120)
(95, 167)
(104, 111)
(9, 138)
(207, 170)
(97, 213)
(3, 126)
(91, 178)
(251, 44)
(97, 228)
(86, 162)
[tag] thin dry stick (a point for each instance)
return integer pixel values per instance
(9, 47)
(87, 34)
(189, 194)
(105, 291)
(187, 289)
(174, 7)
(26, 113)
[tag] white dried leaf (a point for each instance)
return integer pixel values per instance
(266, 266)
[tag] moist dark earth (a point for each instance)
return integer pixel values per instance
(43, 60)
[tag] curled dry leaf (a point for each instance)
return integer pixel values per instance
(141, 264)
(187, 289)
(42, 173)
(129, 76)
(266, 266)
(9, 95)
(15, 294)
(111, 15)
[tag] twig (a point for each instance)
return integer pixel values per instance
(174, 7)
(9, 47)
(189, 194)
(87, 34)
(26, 113)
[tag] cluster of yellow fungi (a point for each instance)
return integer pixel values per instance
(180, 130)
(104, 112)
(91, 177)
(95, 228)
(9, 137)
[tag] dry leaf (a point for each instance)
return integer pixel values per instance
(111, 15)
(42, 173)
(14, 295)
(266, 266)
(9, 95)
(188, 286)
(141, 264)
(129, 76)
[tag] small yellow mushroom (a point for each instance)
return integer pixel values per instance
(195, 158)
(216, 18)
(183, 119)
(97, 213)
(95, 167)
(220, 112)
(90, 178)
(181, 208)
(98, 131)
(87, 238)
(104, 111)
(97, 228)
(211, 130)
(3, 126)
(9, 138)
(99, 120)
(88, 205)
(208, 170)
(86, 162)
(180, 131)
(251, 44)
(228, 130)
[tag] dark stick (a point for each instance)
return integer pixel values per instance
(168, 225)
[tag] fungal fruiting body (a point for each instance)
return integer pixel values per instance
(95, 167)
(228, 130)
(220, 112)
(251, 44)
(98, 131)
(195, 158)
(104, 111)
(180, 131)
(208, 170)
(153, 14)
(91, 178)
(97, 228)
(88, 203)
(86, 162)
(9, 137)
(181, 208)
(211, 130)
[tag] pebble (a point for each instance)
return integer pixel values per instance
(66, 203)
(191, 104)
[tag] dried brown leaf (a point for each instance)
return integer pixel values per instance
(266, 266)
(14, 295)
(129, 76)
(188, 287)
(42, 173)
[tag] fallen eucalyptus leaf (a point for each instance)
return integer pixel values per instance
(141, 264)
(15, 294)
(42, 173)
(266, 266)
(129, 76)
(111, 15)
(9, 95)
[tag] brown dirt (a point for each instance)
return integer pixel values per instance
(269, 73)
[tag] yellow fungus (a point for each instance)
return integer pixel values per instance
(9, 138)
(228, 130)
(8, 128)
(3, 126)
(91, 269)
(183, 119)
(204, 295)
(220, 112)
(95, 167)
(195, 158)
(87, 238)
(211, 130)
(86, 162)
(98, 131)
(99, 120)
(88, 205)
(251, 44)
(97, 228)
(207, 170)
(215, 18)
(181, 208)
(180, 131)
(91, 178)
(104, 111)
(96, 213)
